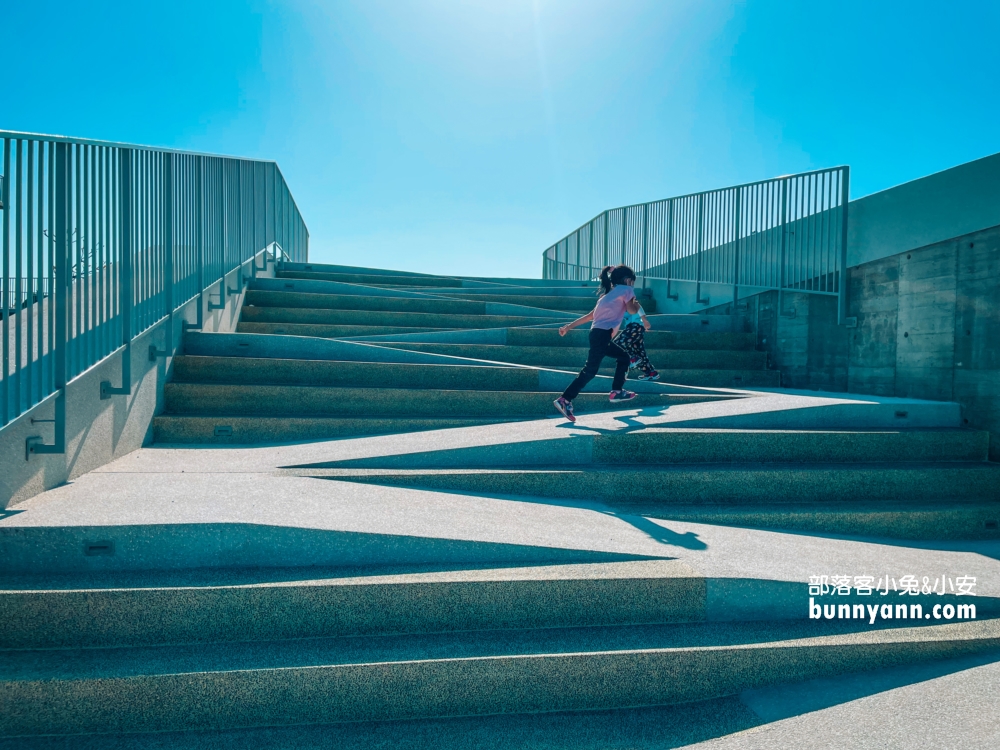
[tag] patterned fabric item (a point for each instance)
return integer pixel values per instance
(630, 339)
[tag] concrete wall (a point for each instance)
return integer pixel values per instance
(99, 431)
(952, 203)
(928, 327)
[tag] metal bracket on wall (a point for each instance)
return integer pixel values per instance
(36, 444)
(108, 390)
(32, 444)
(154, 352)
(222, 298)
(243, 281)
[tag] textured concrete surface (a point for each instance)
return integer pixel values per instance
(296, 400)
(654, 339)
(231, 587)
(578, 305)
(230, 430)
(374, 280)
(231, 508)
(425, 304)
(253, 370)
(664, 445)
(575, 357)
(352, 679)
(940, 704)
(257, 314)
(253, 605)
(100, 430)
(734, 485)
(329, 331)
(311, 300)
(325, 372)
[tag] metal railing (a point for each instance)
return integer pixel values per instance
(789, 233)
(101, 241)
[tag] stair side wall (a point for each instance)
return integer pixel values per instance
(928, 326)
(100, 431)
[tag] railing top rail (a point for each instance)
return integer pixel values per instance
(115, 144)
(705, 192)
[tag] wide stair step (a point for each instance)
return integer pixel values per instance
(398, 319)
(574, 358)
(211, 652)
(918, 484)
(263, 298)
(468, 674)
(711, 483)
(271, 400)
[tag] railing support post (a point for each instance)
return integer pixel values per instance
(781, 267)
(645, 240)
(843, 277)
(125, 281)
(670, 248)
(605, 263)
(168, 250)
(701, 246)
(200, 241)
(624, 226)
(62, 285)
(736, 249)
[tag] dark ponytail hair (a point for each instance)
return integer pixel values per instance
(613, 276)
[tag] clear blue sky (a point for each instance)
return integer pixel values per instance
(465, 137)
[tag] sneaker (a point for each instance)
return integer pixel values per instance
(651, 375)
(621, 395)
(564, 407)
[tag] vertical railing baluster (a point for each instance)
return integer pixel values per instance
(18, 252)
(845, 197)
(5, 290)
(645, 241)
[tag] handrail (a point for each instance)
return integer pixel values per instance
(101, 241)
(787, 233)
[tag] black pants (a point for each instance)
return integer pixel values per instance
(601, 346)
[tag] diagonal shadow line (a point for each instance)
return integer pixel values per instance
(630, 513)
(786, 701)
(985, 547)
(184, 546)
(661, 534)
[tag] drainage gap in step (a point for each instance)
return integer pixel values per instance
(223, 431)
(902, 414)
(992, 524)
(94, 549)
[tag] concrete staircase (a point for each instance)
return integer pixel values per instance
(232, 388)
(187, 656)
(459, 568)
